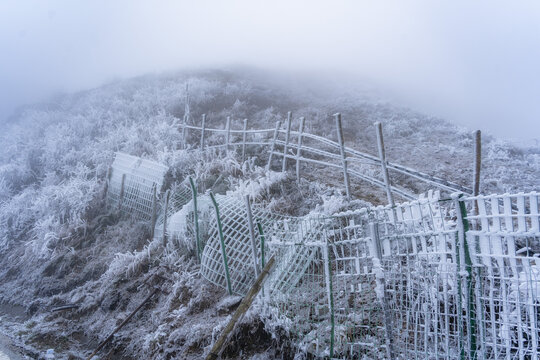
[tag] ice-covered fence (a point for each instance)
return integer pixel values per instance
(503, 239)
(335, 294)
(134, 184)
(432, 278)
(284, 145)
(425, 279)
(231, 256)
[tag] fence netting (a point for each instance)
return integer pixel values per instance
(435, 278)
(452, 278)
(133, 185)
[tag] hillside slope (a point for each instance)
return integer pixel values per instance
(58, 244)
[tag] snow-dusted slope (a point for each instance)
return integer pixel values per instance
(57, 246)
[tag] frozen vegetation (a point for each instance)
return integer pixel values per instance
(59, 244)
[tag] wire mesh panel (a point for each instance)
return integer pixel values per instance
(420, 265)
(238, 246)
(298, 290)
(131, 185)
(176, 214)
(504, 241)
(358, 311)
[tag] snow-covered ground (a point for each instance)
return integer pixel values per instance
(59, 246)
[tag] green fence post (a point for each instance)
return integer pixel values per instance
(222, 239)
(261, 235)
(383, 298)
(165, 217)
(329, 289)
(463, 250)
(196, 217)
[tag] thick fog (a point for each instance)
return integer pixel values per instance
(473, 63)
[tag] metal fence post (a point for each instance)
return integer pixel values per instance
(330, 294)
(299, 150)
(121, 199)
(381, 284)
(252, 236)
(228, 130)
(382, 157)
(165, 215)
(222, 242)
(273, 146)
(202, 131)
(244, 134)
(287, 136)
(196, 218)
(261, 235)
(465, 265)
(154, 211)
(477, 166)
(343, 155)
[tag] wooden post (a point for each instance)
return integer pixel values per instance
(299, 150)
(374, 230)
(202, 131)
(126, 320)
(339, 129)
(228, 136)
(244, 134)
(273, 146)
(165, 215)
(240, 311)
(252, 236)
(121, 199)
(287, 136)
(154, 210)
(382, 157)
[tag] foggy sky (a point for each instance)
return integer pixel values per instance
(474, 63)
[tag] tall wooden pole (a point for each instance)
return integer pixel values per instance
(240, 311)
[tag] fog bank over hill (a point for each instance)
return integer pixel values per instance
(473, 64)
